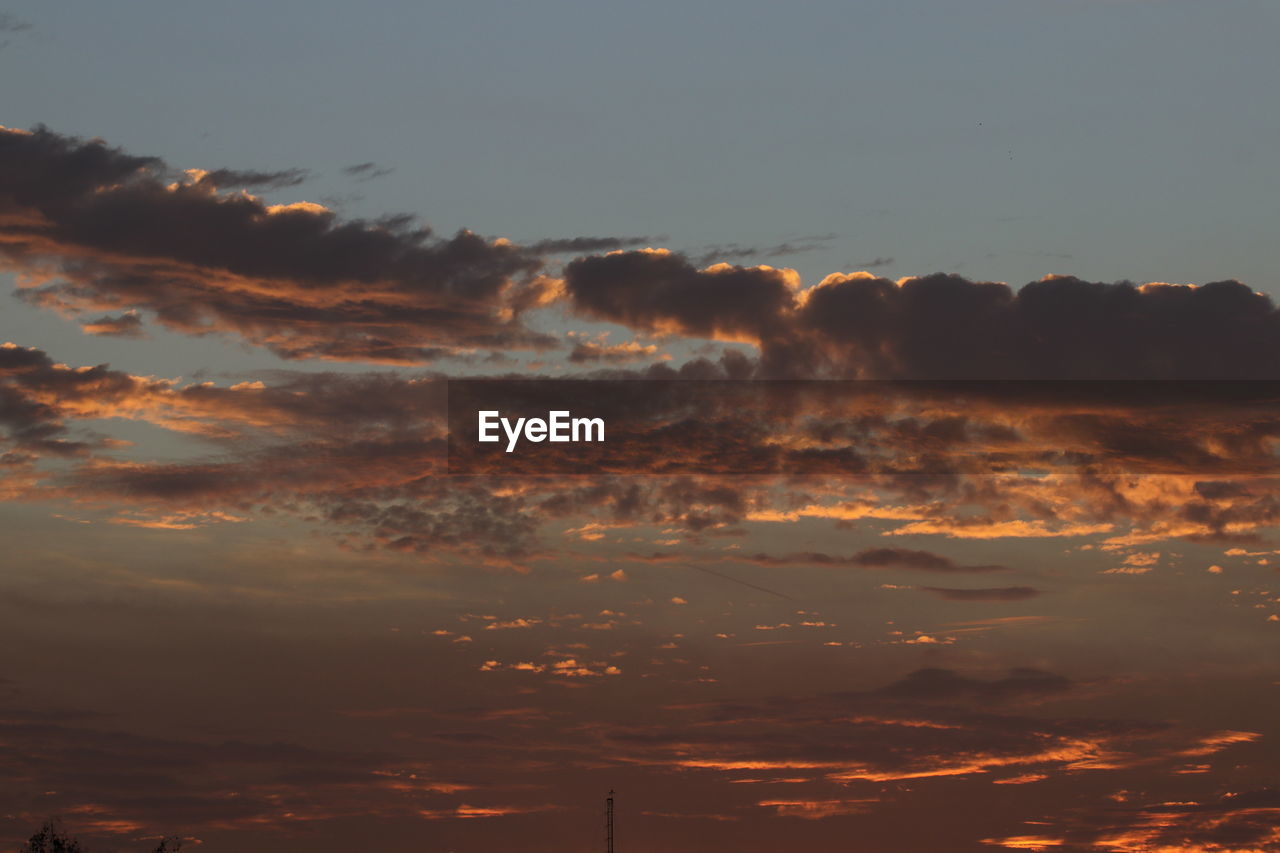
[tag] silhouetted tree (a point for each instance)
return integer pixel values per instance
(51, 839)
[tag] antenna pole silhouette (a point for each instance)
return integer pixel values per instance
(608, 824)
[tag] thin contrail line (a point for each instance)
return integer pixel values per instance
(744, 583)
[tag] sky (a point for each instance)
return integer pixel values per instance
(939, 342)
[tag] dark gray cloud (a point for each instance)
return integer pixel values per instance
(224, 178)
(937, 723)
(937, 684)
(365, 454)
(737, 251)
(367, 171)
(13, 24)
(1004, 593)
(1234, 822)
(874, 263)
(32, 389)
(877, 558)
(588, 244)
(599, 352)
(945, 326)
(906, 558)
(657, 291)
(128, 325)
(109, 231)
(168, 783)
(940, 326)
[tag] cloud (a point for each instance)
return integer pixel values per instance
(905, 558)
(817, 809)
(1242, 822)
(468, 812)
(367, 171)
(364, 454)
(134, 780)
(37, 396)
(796, 246)
(126, 325)
(227, 178)
(13, 24)
(587, 244)
(44, 396)
(94, 229)
(935, 684)
(939, 326)
(660, 292)
(596, 350)
(933, 724)
(1006, 593)
(91, 228)
(113, 783)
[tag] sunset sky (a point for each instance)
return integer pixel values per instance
(802, 600)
